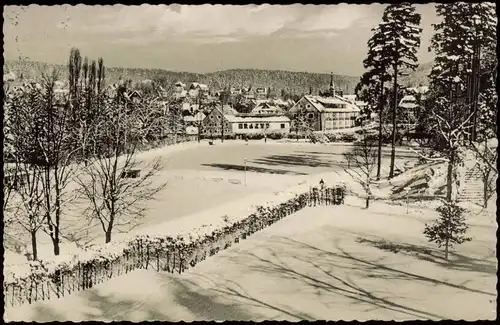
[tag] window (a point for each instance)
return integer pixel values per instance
(251, 126)
(308, 105)
(282, 125)
(256, 126)
(267, 125)
(240, 126)
(261, 125)
(310, 115)
(245, 126)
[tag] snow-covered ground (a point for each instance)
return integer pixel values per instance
(331, 262)
(193, 188)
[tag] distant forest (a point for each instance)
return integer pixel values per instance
(277, 80)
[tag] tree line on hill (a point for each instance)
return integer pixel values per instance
(293, 83)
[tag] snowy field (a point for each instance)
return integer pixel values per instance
(334, 263)
(201, 177)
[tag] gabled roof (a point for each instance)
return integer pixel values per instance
(195, 85)
(227, 109)
(323, 104)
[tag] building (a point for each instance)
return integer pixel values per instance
(326, 113)
(191, 120)
(212, 124)
(259, 124)
(235, 91)
(266, 108)
(260, 93)
(197, 88)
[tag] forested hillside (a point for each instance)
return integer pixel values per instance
(293, 82)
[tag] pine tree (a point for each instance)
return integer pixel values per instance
(371, 85)
(455, 80)
(399, 42)
(482, 39)
(449, 229)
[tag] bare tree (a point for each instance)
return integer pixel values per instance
(363, 161)
(112, 184)
(57, 150)
(450, 125)
(486, 158)
(23, 189)
(301, 124)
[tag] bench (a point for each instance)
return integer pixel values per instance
(131, 173)
(211, 143)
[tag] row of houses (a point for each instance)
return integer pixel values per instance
(321, 113)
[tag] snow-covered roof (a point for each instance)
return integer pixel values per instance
(408, 101)
(191, 130)
(260, 119)
(195, 85)
(227, 109)
(335, 103)
(199, 116)
(351, 98)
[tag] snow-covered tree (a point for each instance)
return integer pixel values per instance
(23, 193)
(112, 183)
(462, 80)
(449, 229)
(58, 149)
(465, 64)
(482, 23)
(397, 43)
(301, 124)
(371, 86)
(362, 160)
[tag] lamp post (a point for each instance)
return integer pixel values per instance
(245, 172)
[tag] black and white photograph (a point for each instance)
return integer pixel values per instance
(251, 162)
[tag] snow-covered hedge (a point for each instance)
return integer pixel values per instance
(173, 250)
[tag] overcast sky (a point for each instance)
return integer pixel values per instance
(313, 38)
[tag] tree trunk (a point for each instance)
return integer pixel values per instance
(449, 178)
(110, 223)
(108, 235)
(55, 242)
(34, 247)
(58, 212)
(475, 89)
(486, 191)
(381, 108)
(446, 248)
(222, 130)
(395, 106)
(367, 202)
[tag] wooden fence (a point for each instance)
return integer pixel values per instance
(164, 255)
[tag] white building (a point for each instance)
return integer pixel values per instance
(261, 124)
(326, 113)
(196, 88)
